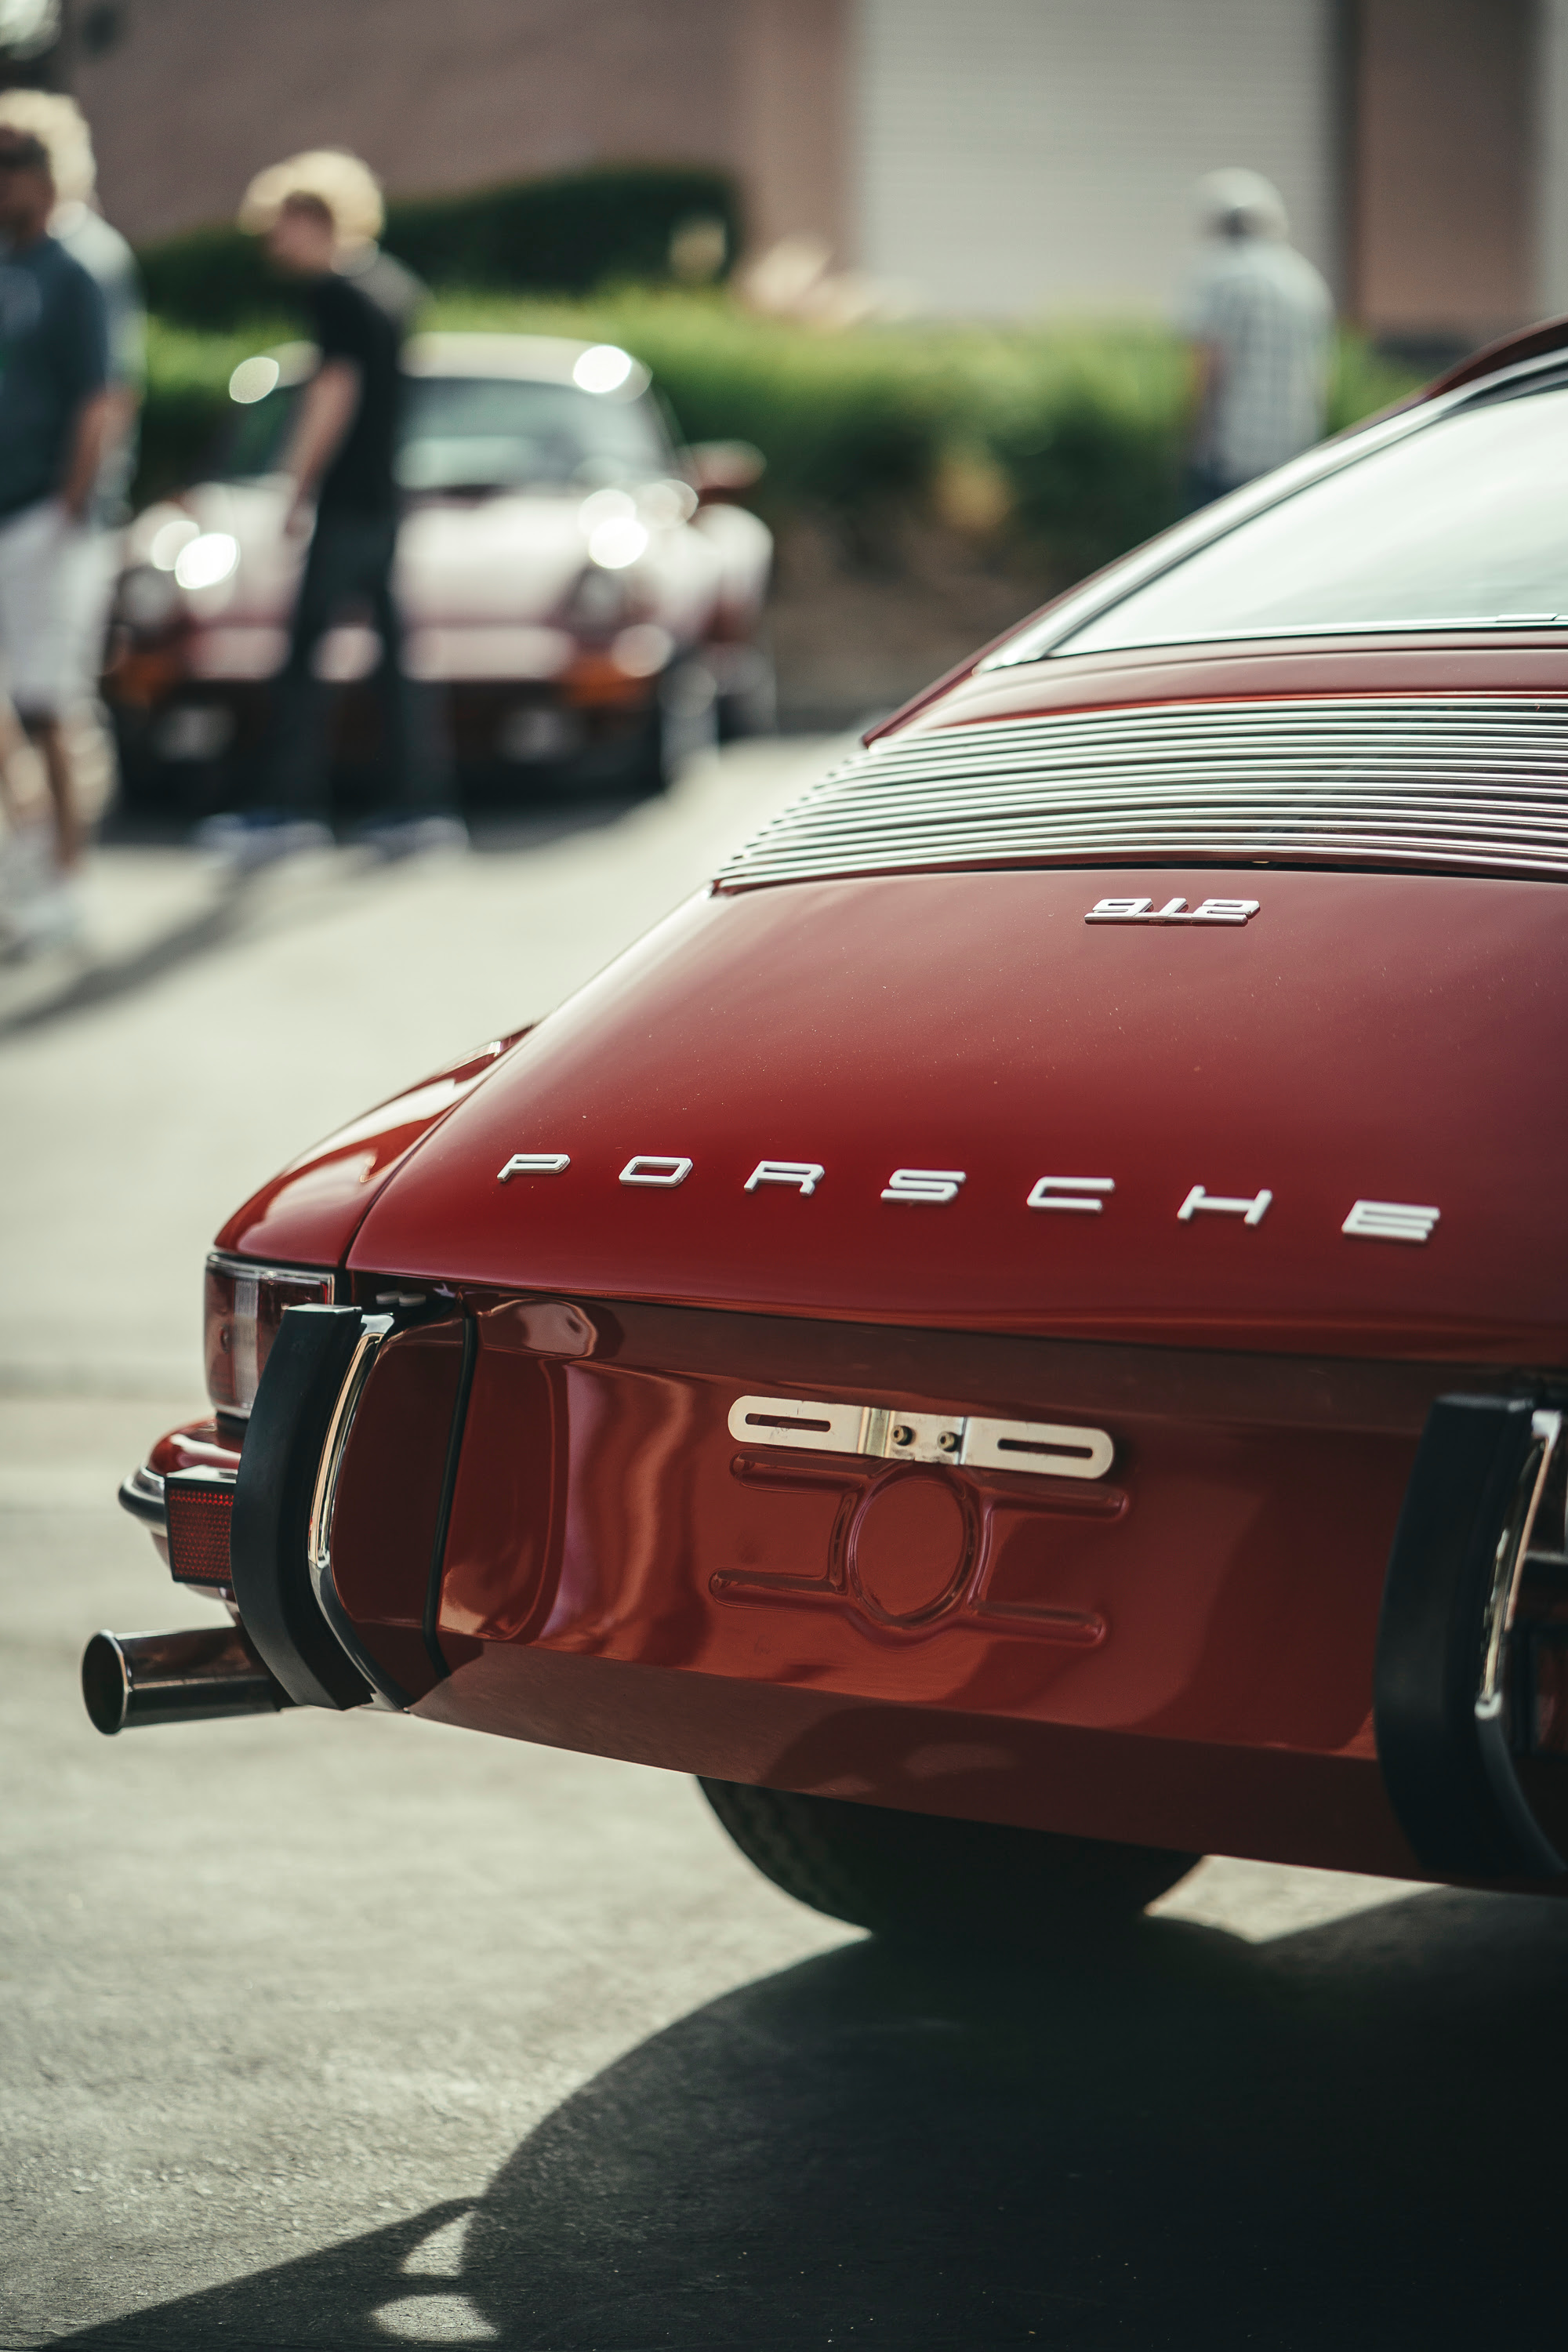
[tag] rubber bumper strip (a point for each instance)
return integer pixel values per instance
(1450, 1640)
(141, 1493)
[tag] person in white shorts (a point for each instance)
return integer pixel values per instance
(57, 413)
(77, 224)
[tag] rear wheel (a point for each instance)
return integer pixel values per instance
(922, 1874)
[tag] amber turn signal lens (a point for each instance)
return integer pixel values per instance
(243, 1306)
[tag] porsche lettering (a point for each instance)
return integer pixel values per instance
(1084, 1196)
(804, 1175)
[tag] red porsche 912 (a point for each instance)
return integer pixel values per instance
(1022, 1335)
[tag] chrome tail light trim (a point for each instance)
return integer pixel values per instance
(1454, 1700)
(386, 1693)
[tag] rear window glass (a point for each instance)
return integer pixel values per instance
(1463, 523)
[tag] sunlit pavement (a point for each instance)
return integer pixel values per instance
(356, 2032)
(212, 1029)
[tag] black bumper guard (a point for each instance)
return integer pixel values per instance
(1481, 1531)
(279, 1544)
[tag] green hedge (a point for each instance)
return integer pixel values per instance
(187, 397)
(1063, 441)
(564, 235)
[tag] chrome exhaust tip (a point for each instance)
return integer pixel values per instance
(132, 1679)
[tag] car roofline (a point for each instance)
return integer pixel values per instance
(529, 359)
(536, 358)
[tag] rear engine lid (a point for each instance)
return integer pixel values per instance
(970, 1101)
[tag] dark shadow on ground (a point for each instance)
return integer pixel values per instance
(503, 831)
(100, 980)
(526, 824)
(1347, 2141)
(226, 915)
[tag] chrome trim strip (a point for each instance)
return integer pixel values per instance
(1507, 1563)
(254, 1269)
(1039, 1448)
(374, 1329)
(142, 1493)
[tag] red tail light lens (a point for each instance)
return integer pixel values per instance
(197, 1508)
(244, 1305)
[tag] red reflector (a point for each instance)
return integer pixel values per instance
(197, 1515)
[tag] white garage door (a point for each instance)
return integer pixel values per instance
(1017, 156)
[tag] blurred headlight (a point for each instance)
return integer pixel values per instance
(667, 502)
(207, 560)
(616, 544)
(615, 535)
(253, 380)
(243, 1306)
(170, 542)
(603, 367)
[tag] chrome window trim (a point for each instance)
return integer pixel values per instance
(374, 1329)
(1283, 633)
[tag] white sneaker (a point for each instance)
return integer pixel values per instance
(392, 838)
(252, 838)
(26, 864)
(50, 918)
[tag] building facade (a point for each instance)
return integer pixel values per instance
(1004, 158)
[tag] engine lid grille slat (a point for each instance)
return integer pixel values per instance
(1475, 787)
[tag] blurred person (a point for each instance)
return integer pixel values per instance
(320, 214)
(57, 422)
(86, 237)
(1260, 320)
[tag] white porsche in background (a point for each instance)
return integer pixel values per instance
(583, 594)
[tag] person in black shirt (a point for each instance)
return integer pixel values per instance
(320, 214)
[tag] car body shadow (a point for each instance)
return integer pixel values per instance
(1348, 2137)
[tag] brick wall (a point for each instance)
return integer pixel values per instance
(195, 95)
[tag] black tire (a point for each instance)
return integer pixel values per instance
(923, 1875)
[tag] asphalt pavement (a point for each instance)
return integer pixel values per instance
(354, 2032)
